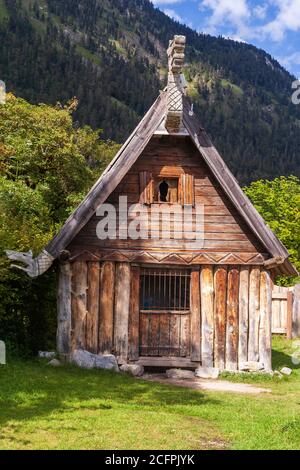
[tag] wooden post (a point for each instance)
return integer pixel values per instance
(289, 323)
(243, 315)
(254, 314)
(265, 329)
(207, 311)
(92, 319)
(220, 316)
(134, 315)
(232, 319)
(64, 311)
(122, 301)
(296, 312)
(195, 316)
(79, 304)
(106, 316)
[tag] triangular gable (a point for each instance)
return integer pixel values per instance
(129, 154)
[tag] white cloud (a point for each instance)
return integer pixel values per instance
(287, 19)
(291, 60)
(260, 11)
(172, 14)
(239, 17)
(232, 12)
(165, 2)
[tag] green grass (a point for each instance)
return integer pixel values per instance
(236, 89)
(68, 408)
(88, 55)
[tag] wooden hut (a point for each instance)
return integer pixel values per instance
(161, 301)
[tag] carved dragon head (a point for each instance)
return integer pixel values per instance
(33, 267)
(25, 258)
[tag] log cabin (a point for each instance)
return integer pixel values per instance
(161, 299)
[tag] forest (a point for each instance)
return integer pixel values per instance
(111, 55)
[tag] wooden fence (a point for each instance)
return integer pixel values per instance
(286, 311)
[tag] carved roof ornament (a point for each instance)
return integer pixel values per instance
(34, 267)
(176, 84)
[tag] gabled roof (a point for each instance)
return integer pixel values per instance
(129, 154)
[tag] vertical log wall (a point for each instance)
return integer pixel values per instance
(230, 318)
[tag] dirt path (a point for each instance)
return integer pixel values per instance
(209, 385)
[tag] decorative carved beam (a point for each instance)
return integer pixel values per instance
(274, 262)
(34, 267)
(176, 84)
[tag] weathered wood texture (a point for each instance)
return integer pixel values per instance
(106, 301)
(220, 315)
(229, 322)
(165, 335)
(286, 311)
(205, 154)
(224, 230)
(296, 312)
(243, 315)
(207, 314)
(254, 314)
(195, 316)
(134, 315)
(121, 313)
(265, 327)
(79, 304)
(232, 333)
(64, 310)
(92, 320)
(146, 188)
(235, 316)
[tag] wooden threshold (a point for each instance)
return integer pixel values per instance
(170, 362)
(279, 331)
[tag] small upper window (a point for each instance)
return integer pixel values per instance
(167, 190)
(163, 191)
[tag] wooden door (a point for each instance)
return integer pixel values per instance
(165, 313)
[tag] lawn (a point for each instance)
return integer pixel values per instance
(67, 408)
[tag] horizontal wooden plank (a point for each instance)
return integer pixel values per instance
(279, 331)
(225, 245)
(210, 232)
(279, 295)
(167, 362)
(208, 219)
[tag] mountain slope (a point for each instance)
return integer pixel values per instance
(111, 54)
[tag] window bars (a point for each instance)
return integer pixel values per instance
(165, 290)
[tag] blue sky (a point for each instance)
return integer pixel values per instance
(273, 25)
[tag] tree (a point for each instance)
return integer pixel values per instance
(46, 167)
(278, 202)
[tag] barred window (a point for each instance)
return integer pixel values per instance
(165, 290)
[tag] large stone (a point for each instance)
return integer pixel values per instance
(252, 366)
(286, 371)
(46, 355)
(180, 374)
(207, 373)
(135, 370)
(54, 363)
(87, 360)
